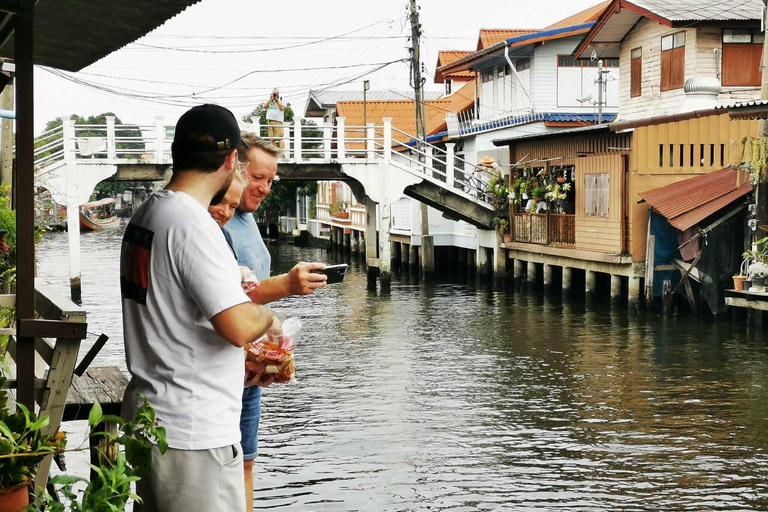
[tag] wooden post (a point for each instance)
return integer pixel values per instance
(327, 142)
(370, 143)
(297, 140)
(111, 145)
(159, 140)
(450, 161)
(341, 139)
(25, 194)
(650, 252)
(667, 298)
(6, 137)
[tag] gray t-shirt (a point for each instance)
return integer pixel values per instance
(243, 235)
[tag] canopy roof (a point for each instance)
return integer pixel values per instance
(72, 34)
(688, 202)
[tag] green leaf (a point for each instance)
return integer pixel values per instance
(7, 432)
(111, 418)
(94, 418)
(66, 479)
(41, 423)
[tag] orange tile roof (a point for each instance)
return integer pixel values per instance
(585, 16)
(489, 37)
(446, 57)
(403, 113)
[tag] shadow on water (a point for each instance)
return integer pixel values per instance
(467, 393)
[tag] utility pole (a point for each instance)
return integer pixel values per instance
(366, 86)
(427, 242)
(600, 85)
(761, 194)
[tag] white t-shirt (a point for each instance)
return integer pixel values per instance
(177, 272)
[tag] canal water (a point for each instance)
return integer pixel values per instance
(461, 395)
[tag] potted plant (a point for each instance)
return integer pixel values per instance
(756, 262)
(339, 210)
(22, 448)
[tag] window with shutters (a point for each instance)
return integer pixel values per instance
(636, 73)
(597, 194)
(672, 61)
(742, 56)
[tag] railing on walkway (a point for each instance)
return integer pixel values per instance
(302, 143)
(543, 229)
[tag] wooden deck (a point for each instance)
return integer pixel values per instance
(748, 300)
(107, 385)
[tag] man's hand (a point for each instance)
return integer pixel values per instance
(302, 281)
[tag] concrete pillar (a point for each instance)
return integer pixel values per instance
(470, 260)
(499, 261)
(428, 254)
(591, 280)
(615, 288)
(634, 290)
(355, 242)
(413, 256)
(482, 260)
(567, 278)
(404, 256)
(531, 277)
(347, 241)
(518, 267)
(462, 260)
(547, 275)
(361, 244)
(394, 251)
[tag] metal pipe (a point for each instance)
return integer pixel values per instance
(514, 70)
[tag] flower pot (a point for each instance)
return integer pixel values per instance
(747, 285)
(758, 281)
(560, 179)
(507, 238)
(738, 282)
(525, 195)
(14, 499)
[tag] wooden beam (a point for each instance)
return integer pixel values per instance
(36, 328)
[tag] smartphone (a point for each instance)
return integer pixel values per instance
(335, 273)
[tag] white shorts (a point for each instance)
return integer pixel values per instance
(194, 481)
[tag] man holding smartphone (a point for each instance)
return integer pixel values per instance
(245, 239)
(275, 118)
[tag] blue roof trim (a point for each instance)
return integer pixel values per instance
(553, 32)
(561, 117)
(567, 117)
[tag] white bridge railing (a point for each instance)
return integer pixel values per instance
(301, 142)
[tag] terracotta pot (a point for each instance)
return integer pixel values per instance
(507, 238)
(14, 499)
(561, 179)
(738, 282)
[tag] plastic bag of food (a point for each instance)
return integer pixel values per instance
(271, 356)
(250, 283)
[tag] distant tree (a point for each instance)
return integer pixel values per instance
(283, 194)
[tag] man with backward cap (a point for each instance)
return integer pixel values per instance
(185, 321)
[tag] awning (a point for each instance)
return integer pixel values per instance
(688, 202)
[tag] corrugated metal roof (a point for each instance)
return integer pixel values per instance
(688, 202)
(585, 16)
(700, 10)
(72, 34)
(577, 118)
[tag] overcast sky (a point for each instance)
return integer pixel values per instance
(207, 53)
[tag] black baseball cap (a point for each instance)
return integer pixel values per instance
(207, 120)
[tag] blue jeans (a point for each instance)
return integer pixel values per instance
(249, 422)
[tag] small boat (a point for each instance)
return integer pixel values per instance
(98, 215)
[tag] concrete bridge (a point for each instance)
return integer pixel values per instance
(380, 163)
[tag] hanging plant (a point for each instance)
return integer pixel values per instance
(756, 158)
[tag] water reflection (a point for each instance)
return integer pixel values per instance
(469, 394)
